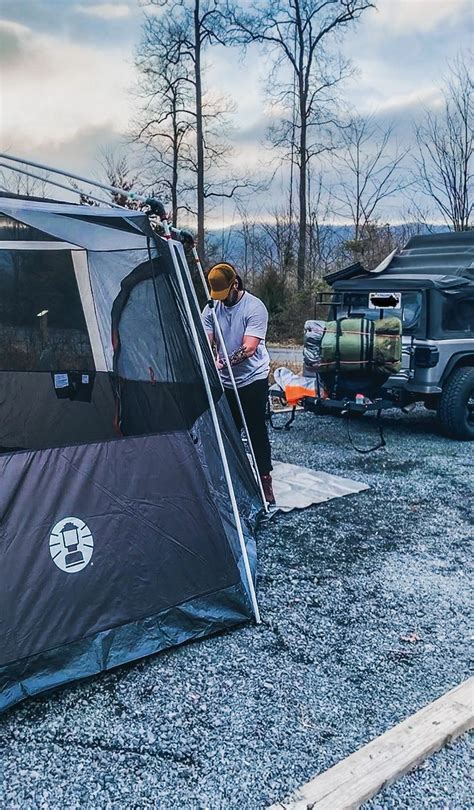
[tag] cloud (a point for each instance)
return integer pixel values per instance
(410, 16)
(65, 80)
(105, 11)
(11, 42)
(52, 88)
(424, 97)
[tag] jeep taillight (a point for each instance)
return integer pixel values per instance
(426, 356)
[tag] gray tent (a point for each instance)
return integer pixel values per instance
(127, 503)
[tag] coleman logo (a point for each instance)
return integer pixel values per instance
(71, 545)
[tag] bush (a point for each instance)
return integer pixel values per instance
(271, 287)
(288, 308)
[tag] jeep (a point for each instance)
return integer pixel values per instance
(429, 285)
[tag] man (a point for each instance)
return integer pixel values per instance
(243, 320)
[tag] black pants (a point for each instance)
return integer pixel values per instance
(253, 398)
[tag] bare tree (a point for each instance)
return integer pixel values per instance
(445, 150)
(165, 123)
(115, 166)
(369, 165)
(250, 243)
(323, 238)
(301, 138)
(198, 24)
(207, 25)
(278, 247)
(300, 33)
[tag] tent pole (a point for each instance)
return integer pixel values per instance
(59, 185)
(190, 240)
(46, 168)
(218, 432)
(156, 206)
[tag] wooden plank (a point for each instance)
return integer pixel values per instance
(360, 776)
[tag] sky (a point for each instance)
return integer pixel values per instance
(67, 77)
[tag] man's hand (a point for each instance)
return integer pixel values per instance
(248, 349)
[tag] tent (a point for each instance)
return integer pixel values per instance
(127, 503)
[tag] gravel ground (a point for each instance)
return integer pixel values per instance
(241, 719)
(421, 787)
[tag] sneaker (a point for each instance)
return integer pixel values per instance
(268, 488)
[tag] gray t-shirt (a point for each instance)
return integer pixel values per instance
(248, 317)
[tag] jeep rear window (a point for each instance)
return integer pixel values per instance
(358, 304)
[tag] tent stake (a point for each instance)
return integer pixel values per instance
(218, 433)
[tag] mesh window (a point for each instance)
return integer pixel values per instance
(42, 324)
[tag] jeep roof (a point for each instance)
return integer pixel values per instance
(443, 260)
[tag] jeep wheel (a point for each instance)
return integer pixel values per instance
(456, 407)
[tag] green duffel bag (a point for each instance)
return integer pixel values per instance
(353, 345)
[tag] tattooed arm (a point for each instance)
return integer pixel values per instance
(247, 349)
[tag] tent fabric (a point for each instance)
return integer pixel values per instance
(117, 537)
(131, 516)
(197, 618)
(90, 228)
(35, 413)
(106, 273)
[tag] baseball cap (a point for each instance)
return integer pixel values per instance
(221, 278)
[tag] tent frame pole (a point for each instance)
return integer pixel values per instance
(156, 206)
(46, 168)
(218, 433)
(60, 185)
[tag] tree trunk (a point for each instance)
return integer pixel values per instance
(302, 201)
(302, 77)
(174, 168)
(358, 200)
(199, 134)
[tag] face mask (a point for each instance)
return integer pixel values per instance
(231, 298)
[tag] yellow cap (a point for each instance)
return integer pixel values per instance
(221, 278)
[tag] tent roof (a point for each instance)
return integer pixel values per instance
(435, 260)
(90, 227)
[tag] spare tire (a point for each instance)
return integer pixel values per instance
(456, 405)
